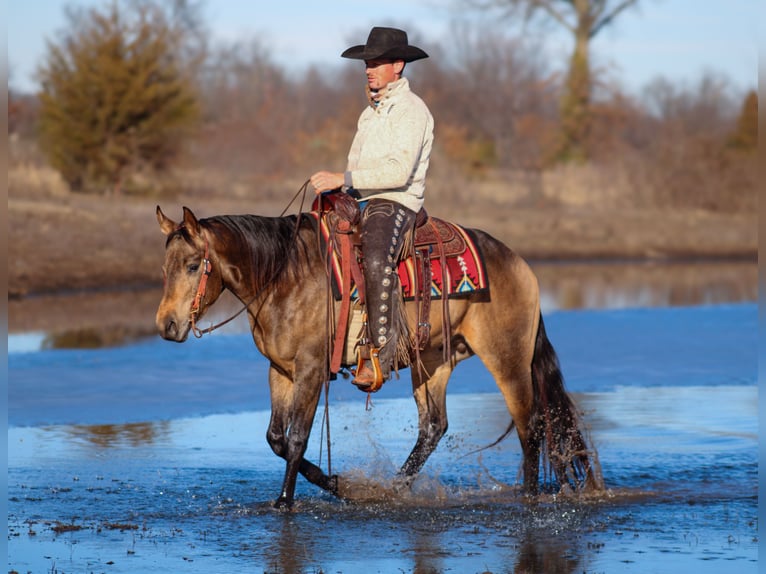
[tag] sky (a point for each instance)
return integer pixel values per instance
(677, 39)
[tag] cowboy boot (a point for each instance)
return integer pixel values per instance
(384, 225)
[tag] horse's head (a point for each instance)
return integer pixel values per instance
(192, 282)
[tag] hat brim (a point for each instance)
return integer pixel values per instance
(406, 53)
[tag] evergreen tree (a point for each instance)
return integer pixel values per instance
(115, 101)
(745, 136)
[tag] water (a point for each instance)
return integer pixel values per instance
(152, 456)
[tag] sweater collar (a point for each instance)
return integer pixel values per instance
(377, 98)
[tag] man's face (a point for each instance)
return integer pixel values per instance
(380, 73)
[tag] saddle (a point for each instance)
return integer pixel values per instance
(432, 239)
(434, 235)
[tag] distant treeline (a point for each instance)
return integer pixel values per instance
(129, 102)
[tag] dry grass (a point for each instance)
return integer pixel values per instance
(64, 241)
(30, 180)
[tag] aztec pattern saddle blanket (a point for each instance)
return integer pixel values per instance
(455, 262)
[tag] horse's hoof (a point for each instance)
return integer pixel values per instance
(283, 504)
(401, 484)
(530, 493)
(332, 485)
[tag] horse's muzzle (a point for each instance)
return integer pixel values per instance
(172, 330)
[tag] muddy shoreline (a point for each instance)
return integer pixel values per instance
(107, 317)
(78, 243)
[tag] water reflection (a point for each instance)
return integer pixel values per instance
(421, 539)
(95, 338)
(428, 550)
(97, 319)
(290, 550)
(90, 320)
(120, 435)
(652, 284)
(536, 555)
(674, 455)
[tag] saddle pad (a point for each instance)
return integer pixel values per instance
(466, 272)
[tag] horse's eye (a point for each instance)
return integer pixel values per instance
(193, 268)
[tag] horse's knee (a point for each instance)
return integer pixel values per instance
(295, 444)
(287, 444)
(291, 447)
(277, 442)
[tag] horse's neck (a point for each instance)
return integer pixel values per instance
(256, 253)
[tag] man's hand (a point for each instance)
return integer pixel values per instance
(325, 181)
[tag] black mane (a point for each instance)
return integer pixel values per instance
(274, 244)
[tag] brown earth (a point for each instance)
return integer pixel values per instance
(76, 242)
(94, 249)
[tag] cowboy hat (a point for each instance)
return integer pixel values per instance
(385, 44)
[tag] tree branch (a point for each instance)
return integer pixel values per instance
(606, 20)
(552, 12)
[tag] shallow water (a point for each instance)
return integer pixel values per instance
(153, 457)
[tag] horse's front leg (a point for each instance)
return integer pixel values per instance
(293, 406)
(430, 398)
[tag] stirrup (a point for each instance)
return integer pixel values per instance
(368, 376)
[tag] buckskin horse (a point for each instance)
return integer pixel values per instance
(276, 267)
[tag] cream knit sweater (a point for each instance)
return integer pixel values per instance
(392, 147)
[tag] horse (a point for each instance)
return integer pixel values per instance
(276, 267)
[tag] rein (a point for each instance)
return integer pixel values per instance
(202, 287)
(208, 267)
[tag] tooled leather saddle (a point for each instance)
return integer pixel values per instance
(432, 239)
(436, 236)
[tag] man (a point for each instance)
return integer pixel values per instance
(386, 170)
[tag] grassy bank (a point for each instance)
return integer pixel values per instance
(62, 241)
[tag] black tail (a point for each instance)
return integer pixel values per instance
(555, 424)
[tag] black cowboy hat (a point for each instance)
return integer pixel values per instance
(385, 44)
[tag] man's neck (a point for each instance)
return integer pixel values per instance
(376, 95)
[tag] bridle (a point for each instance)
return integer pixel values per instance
(207, 268)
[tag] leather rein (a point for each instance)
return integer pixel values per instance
(207, 268)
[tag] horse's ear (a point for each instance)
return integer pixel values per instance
(191, 223)
(166, 224)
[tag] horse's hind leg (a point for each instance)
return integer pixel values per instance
(508, 357)
(515, 383)
(430, 398)
(544, 414)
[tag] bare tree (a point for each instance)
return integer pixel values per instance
(584, 19)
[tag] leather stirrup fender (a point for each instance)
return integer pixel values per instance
(342, 326)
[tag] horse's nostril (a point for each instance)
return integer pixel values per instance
(171, 328)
